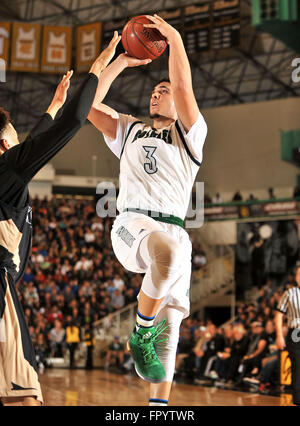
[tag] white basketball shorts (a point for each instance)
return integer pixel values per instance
(129, 229)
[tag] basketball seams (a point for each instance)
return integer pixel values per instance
(128, 50)
(154, 30)
(139, 39)
(155, 48)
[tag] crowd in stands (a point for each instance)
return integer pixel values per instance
(73, 278)
(240, 355)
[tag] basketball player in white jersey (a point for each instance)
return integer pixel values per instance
(158, 166)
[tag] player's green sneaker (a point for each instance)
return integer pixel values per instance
(142, 347)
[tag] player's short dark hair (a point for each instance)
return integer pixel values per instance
(162, 80)
(4, 119)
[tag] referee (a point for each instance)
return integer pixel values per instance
(19, 163)
(290, 305)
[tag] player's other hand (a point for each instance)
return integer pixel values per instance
(60, 95)
(130, 61)
(106, 56)
(62, 90)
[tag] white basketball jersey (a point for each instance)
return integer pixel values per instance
(157, 167)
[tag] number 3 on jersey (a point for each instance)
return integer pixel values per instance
(150, 167)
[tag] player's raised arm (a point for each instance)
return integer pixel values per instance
(101, 116)
(179, 73)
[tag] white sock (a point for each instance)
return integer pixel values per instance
(144, 321)
(158, 402)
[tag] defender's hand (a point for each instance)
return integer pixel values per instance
(62, 90)
(106, 56)
(60, 95)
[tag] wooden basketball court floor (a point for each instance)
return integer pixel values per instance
(102, 388)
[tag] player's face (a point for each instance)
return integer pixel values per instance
(162, 102)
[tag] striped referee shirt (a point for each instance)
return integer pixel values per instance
(290, 305)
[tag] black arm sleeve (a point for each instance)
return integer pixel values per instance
(27, 158)
(44, 123)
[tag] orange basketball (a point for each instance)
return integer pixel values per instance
(141, 42)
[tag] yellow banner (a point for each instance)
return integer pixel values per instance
(4, 42)
(57, 49)
(25, 52)
(88, 38)
(285, 369)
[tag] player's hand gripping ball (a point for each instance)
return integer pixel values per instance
(141, 42)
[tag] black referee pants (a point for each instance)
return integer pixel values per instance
(293, 347)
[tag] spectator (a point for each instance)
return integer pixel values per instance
(115, 350)
(257, 349)
(30, 294)
(296, 193)
(214, 343)
(238, 350)
(90, 343)
(117, 300)
(237, 196)
(271, 193)
(56, 339)
(54, 315)
(118, 282)
(217, 199)
(72, 339)
(207, 199)
(41, 351)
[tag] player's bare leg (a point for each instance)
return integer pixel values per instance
(147, 305)
(24, 401)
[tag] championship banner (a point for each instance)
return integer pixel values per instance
(4, 41)
(57, 49)
(243, 211)
(25, 52)
(88, 39)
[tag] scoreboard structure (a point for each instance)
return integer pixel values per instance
(205, 25)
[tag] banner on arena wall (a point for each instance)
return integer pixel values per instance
(25, 52)
(280, 208)
(285, 369)
(57, 49)
(88, 44)
(4, 41)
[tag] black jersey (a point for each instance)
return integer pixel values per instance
(19, 165)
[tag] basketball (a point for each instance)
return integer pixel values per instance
(141, 42)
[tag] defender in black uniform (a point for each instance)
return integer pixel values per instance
(19, 163)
